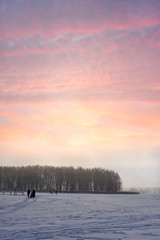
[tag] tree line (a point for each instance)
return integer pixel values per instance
(62, 179)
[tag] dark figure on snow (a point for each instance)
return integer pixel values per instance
(28, 193)
(33, 193)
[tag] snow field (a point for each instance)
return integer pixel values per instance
(80, 216)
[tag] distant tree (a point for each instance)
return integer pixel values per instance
(59, 178)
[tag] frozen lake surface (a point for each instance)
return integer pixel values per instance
(80, 216)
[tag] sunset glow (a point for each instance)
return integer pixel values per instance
(80, 85)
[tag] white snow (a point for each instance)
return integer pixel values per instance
(80, 216)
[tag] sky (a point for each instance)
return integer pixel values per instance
(80, 86)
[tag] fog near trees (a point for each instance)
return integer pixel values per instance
(47, 178)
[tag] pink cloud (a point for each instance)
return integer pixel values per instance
(116, 57)
(53, 18)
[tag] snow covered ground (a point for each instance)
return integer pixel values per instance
(80, 216)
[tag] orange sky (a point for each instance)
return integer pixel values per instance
(80, 86)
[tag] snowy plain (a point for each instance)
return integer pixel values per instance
(80, 216)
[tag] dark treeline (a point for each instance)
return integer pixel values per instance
(47, 178)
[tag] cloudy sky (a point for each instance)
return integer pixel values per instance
(80, 85)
